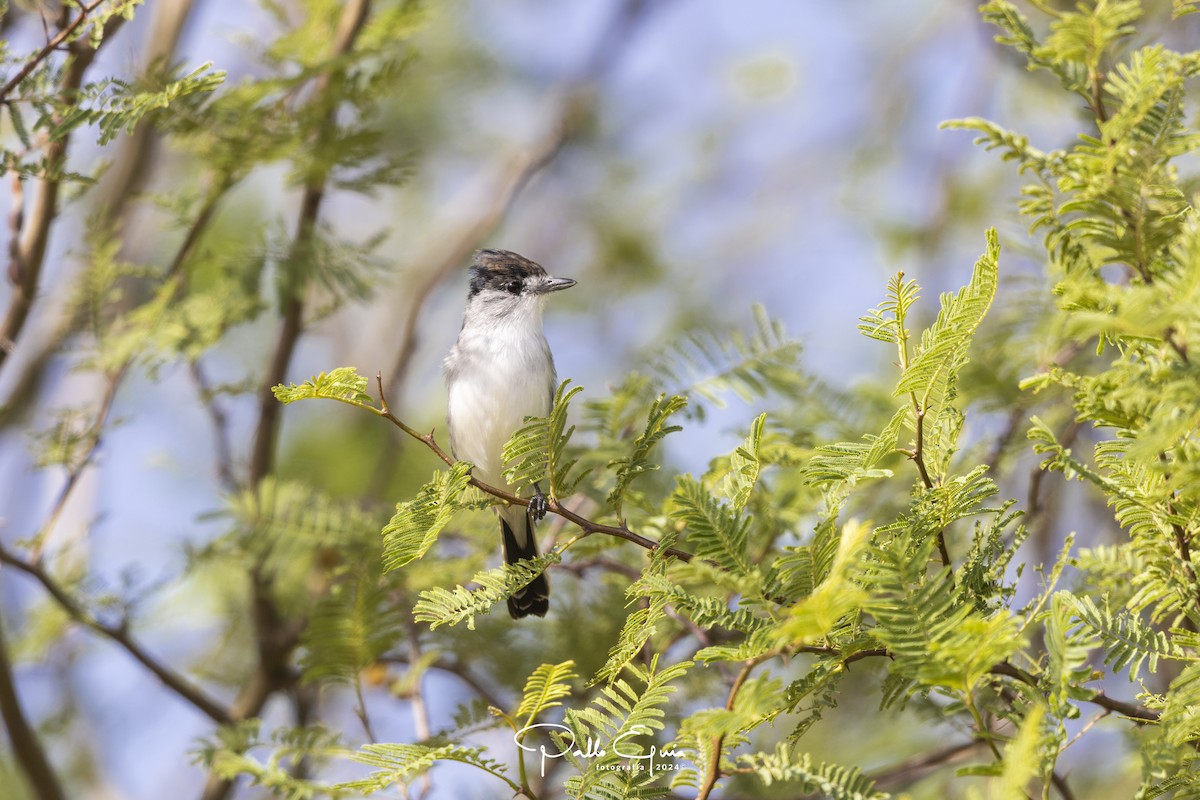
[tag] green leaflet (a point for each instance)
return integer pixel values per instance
(623, 713)
(715, 531)
(351, 628)
(539, 449)
(745, 464)
(548, 684)
(400, 763)
(942, 350)
(638, 461)
(828, 780)
(451, 606)
(343, 384)
(416, 524)
(1130, 641)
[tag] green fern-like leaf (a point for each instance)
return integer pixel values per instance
(715, 530)
(886, 323)
(1067, 667)
(855, 461)
(827, 780)
(838, 595)
(1130, 642)
(638, 461)
(639, 626)
(416, 524)
(343, 384)
(943, 347)
(539, 449)
(745, 464)
(400, 763)
(351, 627)
(705, 365)
(451, 606)
(933, 635)
(621, 715)
(548, 684)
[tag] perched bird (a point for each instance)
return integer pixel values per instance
(499, 372)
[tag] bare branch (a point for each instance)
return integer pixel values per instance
(910, 770)
(31, 756)
(121, 635)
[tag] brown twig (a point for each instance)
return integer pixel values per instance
(119, 634)
(1131, 710)
(31, 756)
(908, 771)
(713, 773)
(220, 425)
(50, 46)
(25, 268)
(918, 458)
(553, 505)
(92, 438)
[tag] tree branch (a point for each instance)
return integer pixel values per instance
(905, 772)
(713, 773)
(28, 256)
(52, 45)
(553, 505)
(31, 756)
(92, 438)
(918, 457)
(120, 635)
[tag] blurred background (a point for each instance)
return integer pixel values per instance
(683, 160)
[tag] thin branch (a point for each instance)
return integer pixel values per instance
(416, 697)
(120, 635)
(49, 48)
(1131, 710)
(25, 268)
(553, 505)
(1020, 409)
(713, 773)
(92, 438)
(918, 457)
(1007, 670)
(31, 756)
(458, 670)
(220, 425)
(912, 769)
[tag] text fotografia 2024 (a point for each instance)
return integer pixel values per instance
(565, 744)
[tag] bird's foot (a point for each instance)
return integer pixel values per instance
(538, 505)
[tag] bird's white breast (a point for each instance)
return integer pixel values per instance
(497, 376)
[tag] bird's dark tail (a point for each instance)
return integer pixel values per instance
(535, 598)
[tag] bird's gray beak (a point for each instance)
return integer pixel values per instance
(555, 285)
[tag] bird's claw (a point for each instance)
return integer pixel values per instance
(538, 505)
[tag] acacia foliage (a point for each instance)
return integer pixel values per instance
(846, 546)
(787, 589)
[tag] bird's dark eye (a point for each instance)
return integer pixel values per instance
(512, 287)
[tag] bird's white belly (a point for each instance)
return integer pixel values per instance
(491, 396)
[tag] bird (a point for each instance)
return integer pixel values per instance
(500, 371)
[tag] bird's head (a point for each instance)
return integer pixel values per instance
(504, 283)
